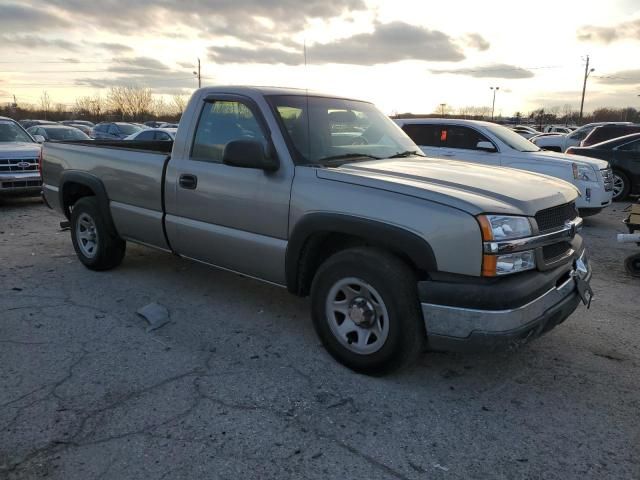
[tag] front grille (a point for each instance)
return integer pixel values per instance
(550, 253)
(607, 176)
(11, 165)
(22, 183)
(554, 218)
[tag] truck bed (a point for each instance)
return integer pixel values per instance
(132, 173)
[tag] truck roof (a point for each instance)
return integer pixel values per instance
(267, 90)
(438, 121)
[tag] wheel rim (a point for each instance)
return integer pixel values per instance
(618, 185)
(87, 235)
(357, 316)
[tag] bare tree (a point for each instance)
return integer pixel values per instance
(45, 103)
(179, 102)
(117, 100)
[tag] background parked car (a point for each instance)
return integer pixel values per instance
(86, 123)
(114, 130)
(30, 123)
(560, 143)
(168, 125)
(19, 160)
(490, 144)
(57, 133)
(83, 128)
(154, 123)
(525, 131)
(557, 129)
(608, 132)
(154, 134)
(623, 154)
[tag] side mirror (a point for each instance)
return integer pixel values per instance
(249, 154)
(39, 138)
(486, 146)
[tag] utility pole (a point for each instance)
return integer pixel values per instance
(197, 74)
(442, 105)
(493, 105)
(587, 72)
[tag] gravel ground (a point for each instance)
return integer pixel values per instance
(238, 386)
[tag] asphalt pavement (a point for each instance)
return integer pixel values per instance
(237, 386)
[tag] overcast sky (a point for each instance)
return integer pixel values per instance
(405, 55)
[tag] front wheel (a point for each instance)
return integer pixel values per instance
(621, 186)
(96, 247)
(366, 312)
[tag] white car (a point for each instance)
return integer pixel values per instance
(154, 134)
(491, 144)
(557, 129)
(560, 143)
(524, 131)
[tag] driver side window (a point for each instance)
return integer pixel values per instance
(222, 122)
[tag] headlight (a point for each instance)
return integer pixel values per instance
(498, 228)
(584, 173)
(504, 227)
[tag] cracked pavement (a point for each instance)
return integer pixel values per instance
(238, 386)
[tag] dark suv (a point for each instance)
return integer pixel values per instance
(607, 132)
(114, 130)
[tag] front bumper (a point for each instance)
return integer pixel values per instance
(461, 328)
(20, 183)
(593, 196)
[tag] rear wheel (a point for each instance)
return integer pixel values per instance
(621, 186)
(96, 247)
(366, 312)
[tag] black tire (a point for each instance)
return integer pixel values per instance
(632, 264)
(109, 248)
(626, 189)
(396, 285)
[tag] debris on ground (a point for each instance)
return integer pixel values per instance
(157, 315)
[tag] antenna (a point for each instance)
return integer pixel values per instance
(306, 90)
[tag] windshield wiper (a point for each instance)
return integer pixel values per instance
(407, 153)
(347, 156)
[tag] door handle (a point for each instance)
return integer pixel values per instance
(188, 181)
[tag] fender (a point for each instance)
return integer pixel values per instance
(95, 184)
(375, 233)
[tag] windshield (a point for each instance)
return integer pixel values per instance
(10, 132)
(128, 128)
(65, 134)
(327, 130)
(512, 139)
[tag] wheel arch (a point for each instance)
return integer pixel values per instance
(319, 235)
(75, 185)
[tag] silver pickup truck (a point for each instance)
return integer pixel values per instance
(327, 197)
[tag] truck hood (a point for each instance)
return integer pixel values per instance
(563, 157)
(19, 150)
(472, 188)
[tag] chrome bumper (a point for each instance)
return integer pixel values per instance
(457, 323)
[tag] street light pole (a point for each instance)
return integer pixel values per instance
(442, 105)
(197, 74)
(587, 72)
(493, 105)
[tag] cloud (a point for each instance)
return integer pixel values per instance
(629, 30)
(36, 41)
(623, 77)
(496, 70)
(112, 47)
(477, 41)
(141, 64)
(226, 15)
(69, 60)
(388, 43)
(143, 72)
(20, 17)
